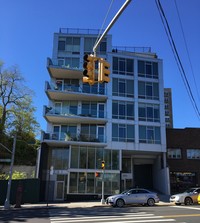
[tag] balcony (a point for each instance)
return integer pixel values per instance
(57, 71)
(56, 139)
(52, 115)
(74, 92)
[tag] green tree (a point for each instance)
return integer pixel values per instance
(17, 116)
(15, 98)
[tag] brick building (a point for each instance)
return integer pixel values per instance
(183, 158)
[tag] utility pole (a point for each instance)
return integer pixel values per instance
(110, 25)
(7, 201)
(106, 78)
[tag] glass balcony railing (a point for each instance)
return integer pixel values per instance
(91, 113)
(97, 89)
(74, 137)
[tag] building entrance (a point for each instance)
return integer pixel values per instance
(60, 187)
(143, 176)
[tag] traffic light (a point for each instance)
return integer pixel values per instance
(97, 174)
(89, 69)
(103, 165)
(103, 71)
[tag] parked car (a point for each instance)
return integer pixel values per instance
(188, 197)
(133, 196)
(198, 199)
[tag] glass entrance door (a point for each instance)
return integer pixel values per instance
(60, 185)
(59, 190)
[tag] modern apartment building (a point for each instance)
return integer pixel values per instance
(121, 122)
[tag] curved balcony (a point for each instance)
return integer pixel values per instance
(57, 71)
(55, 139)
(73, 92)
(53, 116)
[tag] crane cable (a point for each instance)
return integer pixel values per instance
(104, 21)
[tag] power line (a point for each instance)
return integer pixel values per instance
(185, 42)
(176, 55)
(100, 31)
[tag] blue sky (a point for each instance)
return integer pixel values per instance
(26, 40)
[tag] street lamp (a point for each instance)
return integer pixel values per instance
(7, 201)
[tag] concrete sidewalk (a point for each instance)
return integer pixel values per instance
(83, 204)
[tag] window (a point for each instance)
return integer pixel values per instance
(148, 90)
(94, 89)
(71, 62)
(89, 43)
(88, 132)
(90, 109)
(173, 153)
(61, 45)
(90, 158)
(123, 110)
(60, 158)
(126, 165)
(193, 153)
(123, 132)
(69, 44)
(123, 66)
(147, 69)
(123, 87)
(149, 134)
(73, 44)
(149, 112)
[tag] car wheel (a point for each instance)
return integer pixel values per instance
(177, 203)
(188, 201)
(150, 202)
(120, 203)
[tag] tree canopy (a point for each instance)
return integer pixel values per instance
(17, 114)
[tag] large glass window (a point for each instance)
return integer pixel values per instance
(89, 43)
(71, 62)
(83, 158)
(83, 182)
(123, 87)
(193, 153)
(60, 158)
(94, 89)
(123, 66)
(148, 90)
(149, 112)
(149, 134)
(74, 157)
(68, 132)
(91, 158)
(61, 45)
(123, 110)
(174, 153)
(88, 132)
(89, 109)
(73, 44)
(147, 69)
(123, 132)
(73, 185)
(126, 165)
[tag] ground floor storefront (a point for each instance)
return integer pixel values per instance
(75, 173)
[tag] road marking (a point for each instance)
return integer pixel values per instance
(128, 217)
(186, 207)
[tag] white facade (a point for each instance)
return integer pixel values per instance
(121, 122)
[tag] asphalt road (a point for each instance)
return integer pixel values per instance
(139, 214)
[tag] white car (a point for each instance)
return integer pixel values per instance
(133, 196)
(188, 197)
